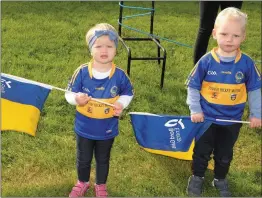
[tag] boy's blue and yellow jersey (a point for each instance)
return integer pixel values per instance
(95, 120)
(224, 86)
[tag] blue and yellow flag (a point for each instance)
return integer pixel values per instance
(21, 103)
(173, 136)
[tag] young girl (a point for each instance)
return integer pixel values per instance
(96, 124)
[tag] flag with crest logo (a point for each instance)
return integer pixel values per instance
(168, 135)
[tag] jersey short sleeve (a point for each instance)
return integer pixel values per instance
(197, 75)
(126, 87)
(254, 77)
(75, 84)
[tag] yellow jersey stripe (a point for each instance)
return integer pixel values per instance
(98, 110)
(258, 72)
(191, 73)
(76, 73)
(224, 94)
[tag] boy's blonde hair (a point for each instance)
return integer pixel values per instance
(232, 13)
(98, 27)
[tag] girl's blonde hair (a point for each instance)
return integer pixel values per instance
(232, 13)
(100, 26)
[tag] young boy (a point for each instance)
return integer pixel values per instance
(217, 89)
(96, 124)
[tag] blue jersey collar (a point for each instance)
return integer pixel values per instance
(214, 55)
(90, 65)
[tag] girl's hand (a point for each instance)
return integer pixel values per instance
(118, 108)
(197, 117)
(255, 122)
(82, 99)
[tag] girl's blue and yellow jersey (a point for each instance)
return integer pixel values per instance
(95, 120)
(224, 86)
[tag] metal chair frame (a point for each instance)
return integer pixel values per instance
(150, 38)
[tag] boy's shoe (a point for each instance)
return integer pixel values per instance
(194, 187)
(100, 190)
(222, 186)
(79, 189)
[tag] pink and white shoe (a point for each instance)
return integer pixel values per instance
(101, 190)
(79, 189)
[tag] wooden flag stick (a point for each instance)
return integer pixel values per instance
(64, 90)
(235, 121)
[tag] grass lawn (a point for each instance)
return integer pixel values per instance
(45, 42)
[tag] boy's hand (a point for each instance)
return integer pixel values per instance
(118, 108)
(255, 122)
(82, 99)
(197, 117)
